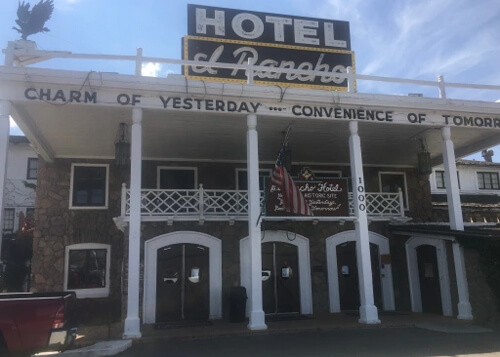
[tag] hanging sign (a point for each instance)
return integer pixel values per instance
(274, 41)
(325, 198)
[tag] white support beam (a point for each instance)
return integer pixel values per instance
(368, 313)
(132, 327)
(456, 223)
(256, 313)
(4, 146)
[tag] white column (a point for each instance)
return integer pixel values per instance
(368, 313)
(256, 314)
(456, 223)
(132, 322)
(4, 146)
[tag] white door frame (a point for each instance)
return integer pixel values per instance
(444, 280)
(302, 244)
(333, 278)
(150, 264)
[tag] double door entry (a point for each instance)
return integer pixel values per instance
(182, 283)
(280, 278)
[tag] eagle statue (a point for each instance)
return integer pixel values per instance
(33, 21)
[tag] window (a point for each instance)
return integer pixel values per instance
(87, 269)
(488, 180)
(177, 178)
(325, 175)
(89, 186)
(440, 181)
(392, 182)
(32, 169)
(242, 179)
(30, 214)
(8, 219)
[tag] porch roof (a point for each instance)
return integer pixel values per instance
(62, 128)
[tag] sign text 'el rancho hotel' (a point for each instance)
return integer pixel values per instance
(234, 36)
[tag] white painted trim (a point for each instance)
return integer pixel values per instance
(380, 173)
(333, 278)
(172, 168)
(302, 243)
(71, 207)
(93, 292)
(413, 277)
(150, 264)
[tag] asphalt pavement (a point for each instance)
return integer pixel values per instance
(387, 342)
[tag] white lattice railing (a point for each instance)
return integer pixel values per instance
(221, 205)
(381, 204)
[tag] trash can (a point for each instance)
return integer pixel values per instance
(237, 304)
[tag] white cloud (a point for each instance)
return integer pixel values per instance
(154, 69)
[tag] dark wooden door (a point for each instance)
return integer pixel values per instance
(348, 276)
(182, 283)
(430, 289)
(280, 282)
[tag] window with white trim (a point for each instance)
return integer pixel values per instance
(242, 178)
(177, 178)
(488, 180)
(392, 182)
(89, 186)
(86, 269)
(32, 172)
(9, 217)
(440, 179)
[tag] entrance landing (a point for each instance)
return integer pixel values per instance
(92, 334)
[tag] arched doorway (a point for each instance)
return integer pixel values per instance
(428, 275)
(286, 285)
(175, 269)
(343, 283)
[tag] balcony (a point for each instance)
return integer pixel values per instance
(232, 205)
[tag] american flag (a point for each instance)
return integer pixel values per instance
(293, 200)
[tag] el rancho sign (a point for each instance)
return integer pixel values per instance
(274, 41)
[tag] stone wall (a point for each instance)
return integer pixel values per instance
(57, 227)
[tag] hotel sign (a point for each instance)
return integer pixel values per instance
(325, 198)
(274, 41)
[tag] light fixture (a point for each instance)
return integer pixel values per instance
(122, 147)
(424, 159)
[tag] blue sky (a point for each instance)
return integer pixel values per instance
(417, 39)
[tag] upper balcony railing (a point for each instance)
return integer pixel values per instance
(232, 205)
(24, 53)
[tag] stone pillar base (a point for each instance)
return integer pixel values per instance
(368, 314)
(257, 321)
(464, 311)
(132, 328)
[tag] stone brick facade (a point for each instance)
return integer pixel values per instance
(58, 226)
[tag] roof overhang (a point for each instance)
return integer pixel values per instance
(65, 124)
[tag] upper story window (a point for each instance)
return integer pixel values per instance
(242, 179)
(488, 180)
(392, 182)
(86, 269)
(9, 215)
(177, 178)
(32, 171)
(30, 214)
(89, 186)
(440, 180)
(325, 175)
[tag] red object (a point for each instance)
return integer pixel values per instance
(32, 322)
(293, 200)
